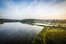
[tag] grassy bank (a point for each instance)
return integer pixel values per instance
(51, 35)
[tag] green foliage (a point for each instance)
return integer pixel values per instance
(51, 35)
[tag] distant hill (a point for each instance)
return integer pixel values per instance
(33, 21)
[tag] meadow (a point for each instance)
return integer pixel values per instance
(51, 35)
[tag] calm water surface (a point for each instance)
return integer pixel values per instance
(18, 33)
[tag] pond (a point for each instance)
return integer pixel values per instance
(18, 33)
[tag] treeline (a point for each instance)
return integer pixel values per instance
(33, 21)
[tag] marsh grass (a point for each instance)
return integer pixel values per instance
(51, 35)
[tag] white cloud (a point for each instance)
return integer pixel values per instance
(34, 10)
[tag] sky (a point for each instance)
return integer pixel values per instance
(33, 9)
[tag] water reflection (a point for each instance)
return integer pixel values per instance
(18, 33)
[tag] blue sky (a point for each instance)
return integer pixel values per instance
(39, 9)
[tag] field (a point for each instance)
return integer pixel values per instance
(51, 35)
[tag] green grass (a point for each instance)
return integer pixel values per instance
(51, 35)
